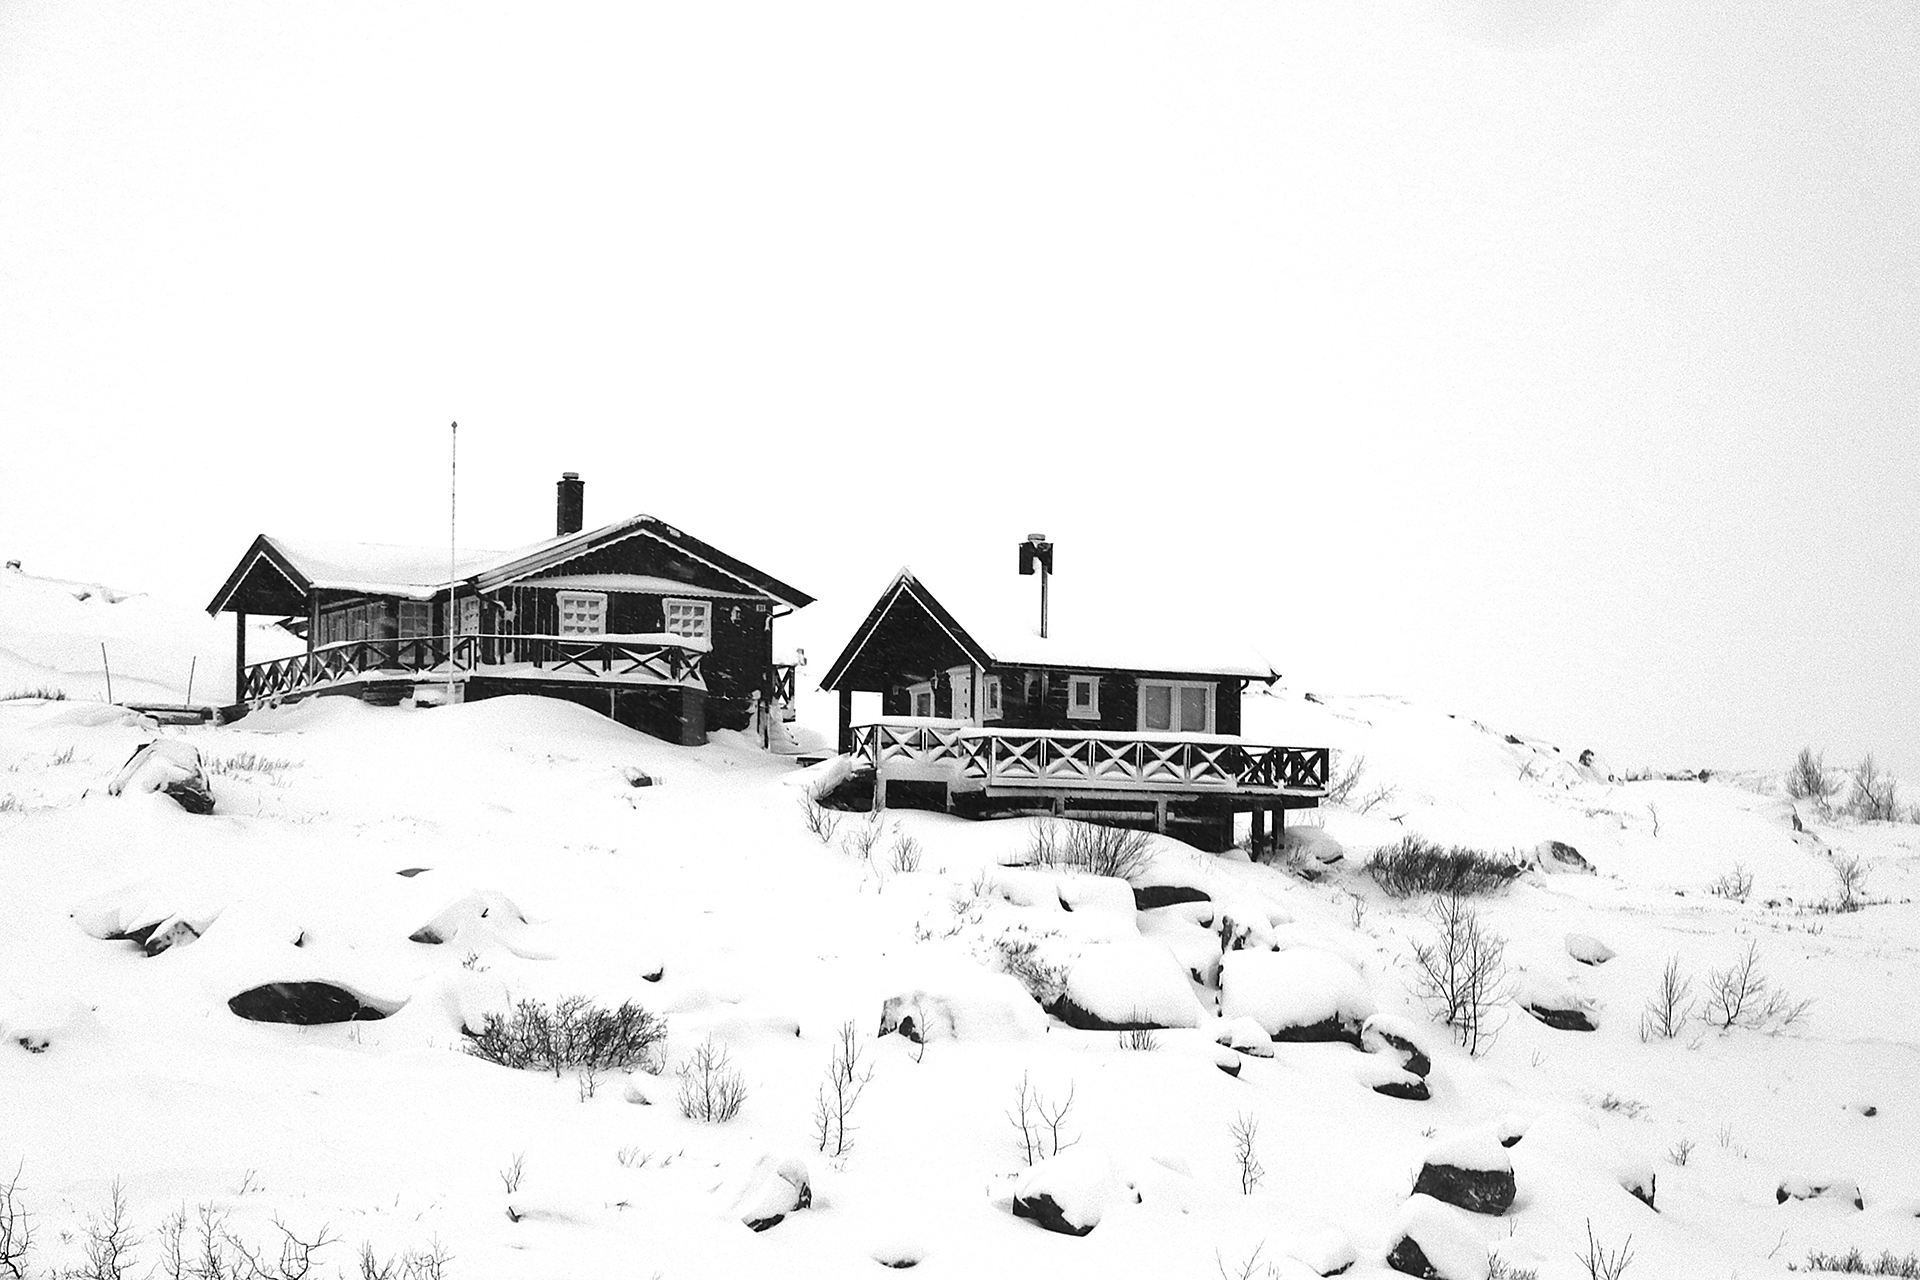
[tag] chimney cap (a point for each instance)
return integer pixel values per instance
(569, 475)
(1036, 537)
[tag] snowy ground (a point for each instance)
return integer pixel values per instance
(706, 899)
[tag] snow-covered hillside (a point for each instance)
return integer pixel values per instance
(515, 827)
(52, 632)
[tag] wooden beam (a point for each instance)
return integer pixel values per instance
(239, 657)
(1257, 831)
(846, 722)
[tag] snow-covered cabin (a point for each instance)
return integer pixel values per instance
(1077, 709)
(636, 619)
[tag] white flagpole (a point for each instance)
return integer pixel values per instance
(453, 508)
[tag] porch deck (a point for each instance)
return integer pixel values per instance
(593, 659)
(1000, 763)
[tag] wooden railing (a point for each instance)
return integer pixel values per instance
(780, 680)
(572, 657)
(1044, 759)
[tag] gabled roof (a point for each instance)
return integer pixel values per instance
(999, 625)
(421, 573)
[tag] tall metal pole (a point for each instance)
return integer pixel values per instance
(453, 509)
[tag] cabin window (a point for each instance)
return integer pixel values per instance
(358, 623)
(470, 616)
(416, 619)
(1176, 706)
(991, 695)
(920, 699)
(692, 619)
(1083, 697)
(582, 613)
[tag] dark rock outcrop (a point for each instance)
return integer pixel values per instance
(1561, 1019)
(1043, 1209)
(304, 1004)
(1148, 896)
(1488, 1191)
(1406, 1257)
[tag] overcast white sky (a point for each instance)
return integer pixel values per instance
(1556, 360)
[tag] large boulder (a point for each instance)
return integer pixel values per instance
(1147, 897)
(1470, 1170)
(1301, 994)
(1553, 1000)
(1588, 950)
(1245, 1035)
(962, 1002)
(169, 766)
(306, 1004)
(1126, 985)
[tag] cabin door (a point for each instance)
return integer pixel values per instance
(960, 680)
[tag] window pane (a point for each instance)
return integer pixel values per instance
(1158, 700)
(1193, 709)
(1083, 693)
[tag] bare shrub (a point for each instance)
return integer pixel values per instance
(1380, 795)
(1041, 1124)
(1343, 776)
(1667, 1011)
(821, 821)
(1019, 956)
(1808, 780)
(575, 1034)
(1499, 1268)
(40, 693)
(1416, 865)
(1853, 1262)
(1735, 886)
(516, 1170)
(1140, 1040)
(834, 1102)
(1681, 1152)
(1876, 794)
(711, 1091)
(249, 762)
(905, 854)
(1462, 974)
(1850, 875)
(1244, 1130)
(1602, 1263)
(1094, 849)
(16, 1229)
(1742, 996)
(110, 1239)
(862, 837)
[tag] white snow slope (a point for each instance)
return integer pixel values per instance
(767, 940)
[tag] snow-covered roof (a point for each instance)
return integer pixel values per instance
(1087, 627)
(382, 568)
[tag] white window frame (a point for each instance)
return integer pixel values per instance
(990, 707)
(915, 692)
(701, 609)
(1174, 688)
(1092, 710)
(576, 600)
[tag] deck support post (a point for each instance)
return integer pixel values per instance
(846, 722)
(1257, 831)
(1279, 826)
(239, 658)
(879, 790)
(1160, 816)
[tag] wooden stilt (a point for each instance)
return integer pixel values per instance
(846, 722)
(1160, 816)
(1257, 831)
(879, 791)
(239, 657)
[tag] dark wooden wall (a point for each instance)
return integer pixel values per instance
(1119, 698)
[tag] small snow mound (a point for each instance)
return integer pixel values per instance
(41, 1023)
(1483, 1148)
(1300, 994)
(771, 1189)
(958, 1000)
(1843, 1190)
(1247, 1036)
(899, 1254)
(167, 765)
(477, 922)
(1313, 844)
(1588, 949)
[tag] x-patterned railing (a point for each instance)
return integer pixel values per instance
(573, 657)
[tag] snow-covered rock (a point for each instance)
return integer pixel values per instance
(959, 1000)
(1831, 1187)
(1299, 994)
(40, 1023)
(1071, 1192)
(1246, 1035)
(1311, 844)
(1126, 984)
(1558, 857)
(170, 766)
(1432, 1241)
(772, 1188)
(1553, 1000)
(480, 921)
(1588, 949)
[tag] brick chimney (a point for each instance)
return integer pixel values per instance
(570, 510)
